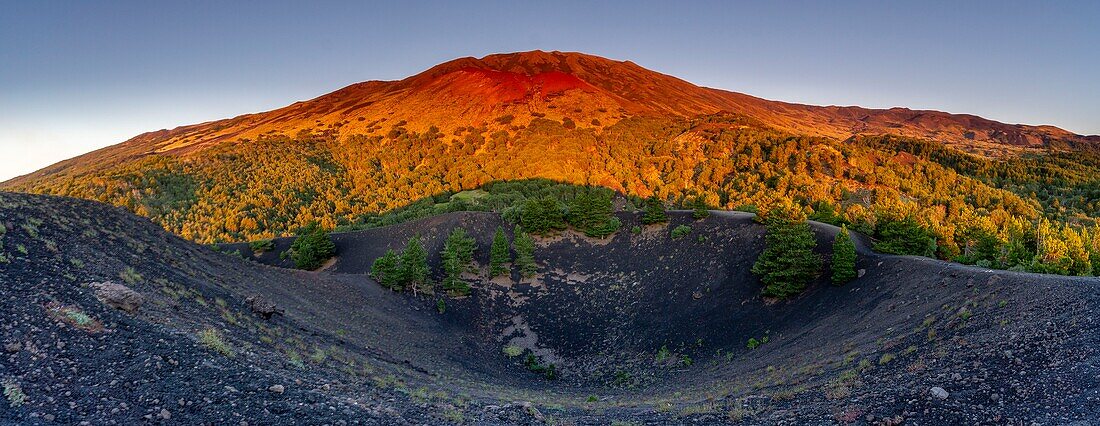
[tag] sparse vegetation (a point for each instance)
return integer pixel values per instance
(14, 394)
(262, 246)
(130, 276)
(663, 354)
(512, 351)
(680, 231)
(212, 339)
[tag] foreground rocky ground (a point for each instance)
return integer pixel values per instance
(642, 328)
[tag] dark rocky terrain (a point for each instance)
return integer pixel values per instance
(912, 341)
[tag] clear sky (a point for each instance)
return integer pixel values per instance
(76, 76)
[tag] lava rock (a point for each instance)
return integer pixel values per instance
(262, 306)
(118, 296)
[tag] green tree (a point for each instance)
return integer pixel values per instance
(844, 257)
(592, 213)
(905, 236)
(788, 261)
(413, 271)
(699, 208)
(525, 253)
(654, 211)
(542, 215)
(386, 271)
(456, 256)
(312, 247)
(499, 254)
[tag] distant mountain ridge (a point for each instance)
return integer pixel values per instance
(556, 85)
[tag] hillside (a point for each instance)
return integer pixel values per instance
(1007, 347)
(983, 191)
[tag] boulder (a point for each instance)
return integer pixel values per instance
(262, 306)
(118, 296)
(938, 392)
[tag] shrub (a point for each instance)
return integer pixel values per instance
(844, 257)
(213, 340)
(680, 231)
(699, 209)
(386, 270)
(663, 353)
(536, 365)
(525, 253)
(130, 276)
(753, 343)
(788, 262)
(654, 211)
(512, 351)
(262, 246)
(441, 306)
(312, 247)
(14, 393)
(636, 230)
(499, 254)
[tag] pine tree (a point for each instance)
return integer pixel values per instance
(413, 271)
(499, 255)
(905, 236)
(386, 271)
(699, 209)
(456, 256)
(844, 257)
(542, 215)
(788, 262)
(525, 253)
(592, 213)
(654, 211)
(312, 247)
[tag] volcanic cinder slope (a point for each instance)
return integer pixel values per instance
(1008, 348)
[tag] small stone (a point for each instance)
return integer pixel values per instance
(277, 388)
(164, 414)
(860, 273)
(939, 392)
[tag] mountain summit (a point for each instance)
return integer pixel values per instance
(586, 89)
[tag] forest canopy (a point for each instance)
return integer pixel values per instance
(1034, 211)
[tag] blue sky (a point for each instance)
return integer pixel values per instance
(76, 76)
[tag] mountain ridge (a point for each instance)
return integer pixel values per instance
(559, 85)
